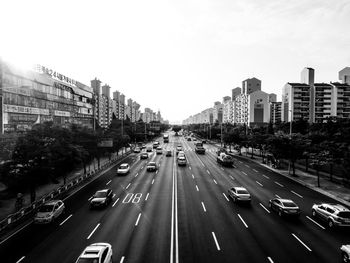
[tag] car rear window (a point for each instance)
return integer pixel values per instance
(345, 214)
(242, 192)
(289, 204)
(100, 194)
(123, 166)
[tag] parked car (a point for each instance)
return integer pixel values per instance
(239, 193)
(168, 153)
(159, 150)
(124, 168)
(144, 156)
(49, 212)
(284, 207)
(345, 253)
(333, 214)
(101, 198)
(96, 253)
(151, 167)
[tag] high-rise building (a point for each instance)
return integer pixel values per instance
(217, 112)
(103, 103)
(344, 75)
(340, 105)
(275, 111)
(251, 85)
(235, 93)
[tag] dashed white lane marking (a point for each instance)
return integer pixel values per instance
(197, 188)
(116, 201)
(190, 168)
(108, 182)
(242, 220)
(270, 259)
(113, 196)
(204, 207)
(259, 183)
(215, 181)
(240, 162)
(297, 194)
(279, 184)
(138, 218)
(277, 196)
(208, 172)
(255, 170)
(244, 173)
(232, 177)
(247, 165)
(127, 186)
(192, 176)
(315, 222)
(301, 242)
(141, 167)
(64, 221)
(264, 208)
(122, 259)
(93, 231)
(20, 259)
(222, 169)
(146, 196)
(228, 200)
(153, 181)
(266, 176)
(216, 241)
(90, 198)
(136, 174)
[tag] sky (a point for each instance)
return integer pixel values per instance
(179, 56)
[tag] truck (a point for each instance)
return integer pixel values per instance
(199, 148)
(225, 159)
(166, 138)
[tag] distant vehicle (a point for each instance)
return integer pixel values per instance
(178, 149)
(181, 153)
(284, 207)
(124, 168)
(181, 160)
(166, 138)
(204, 141)
(168, 153)
(141, 145)
(189, 139)
(144, 156)
(137, 150)
(101, 198)
(345, 253)
(49, 212)
(239, 194)
(159, 150)
(151, 167)
(155, 145)
(96, 253)
(199, 148)
(225, 159)
(149, 149)
(333, 214)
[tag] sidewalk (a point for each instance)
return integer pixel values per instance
(7, 206)
(331, 189)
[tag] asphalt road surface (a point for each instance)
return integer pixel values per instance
(183, 214)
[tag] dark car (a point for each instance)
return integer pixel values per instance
(189, 139)
(101, 198)
(284, 207)
(151, 167)
(168, 153)
(144, 156)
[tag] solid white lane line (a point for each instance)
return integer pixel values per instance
(172, 219)
(128, 186)
(204, 207)
(232, 177)
(242, 220)
(264, 208)
(116, 201)
(176, 224)
(64, 221)
(146, 196)
(270, 259)
(244, 173)
(277, 196)
(208, 172)
(259, 183)
(297, 194)
(138, 218)
(315, 222)
(301, 242)
(192, 176)
(215, 181)
(266, 176)
(20, 259)
(108, 182)
(136, 174)
(215, 240)
(93, 231)
(228, 200)
(279, 184)
(153, 181)
(197, 188)
(255, 170)
(122, 259)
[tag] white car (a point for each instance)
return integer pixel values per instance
(239, 194)
(137, 150)
(345, 253)
(96, 253)
(159, 150)
(124, 168)
(181, 160)
(48, 212)
(333, 214)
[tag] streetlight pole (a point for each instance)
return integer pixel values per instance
(290, 138)
(221, 132)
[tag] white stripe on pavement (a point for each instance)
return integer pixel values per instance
(93, 231)
(259, 183)
(20, 259)
(153, 181)
(128, 186)
(266, 176)
(232, 177)
(255, 170)
(138, 218)
(108, 182)
(215, 181)
(64, 221)
(215, 240)
(147, 196)
(122, 259)
(204, 207)
(297, 194)
(197, 188)
(277, 196)
(116, 201)
(279, 184)
(192, 176)
(242, 220)
(264, 207)
(301, 242)
(244, 173)
(228, 200)
(270, 260)
(315, 222)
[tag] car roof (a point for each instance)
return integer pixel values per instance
(94, 250)
(124, 164)
(337, 207)
(151, 163)
(102, 191)
(285, 200)
(52, 202)
(239, 188)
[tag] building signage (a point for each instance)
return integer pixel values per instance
(23, 109)
(55, 75)
(61, 113)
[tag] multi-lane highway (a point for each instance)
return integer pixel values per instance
(183, 214)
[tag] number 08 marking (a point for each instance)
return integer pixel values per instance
(134, 198)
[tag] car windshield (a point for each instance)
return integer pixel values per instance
(88, 260)
(344, 214)
(46, 208)
(100, 194)
(289, 204)
(242, 191)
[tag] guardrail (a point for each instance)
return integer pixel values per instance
(29, 210)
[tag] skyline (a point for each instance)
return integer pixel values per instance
(180, 57)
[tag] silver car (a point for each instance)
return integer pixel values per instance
(49, 212)
(334, 214)
(239, 194)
